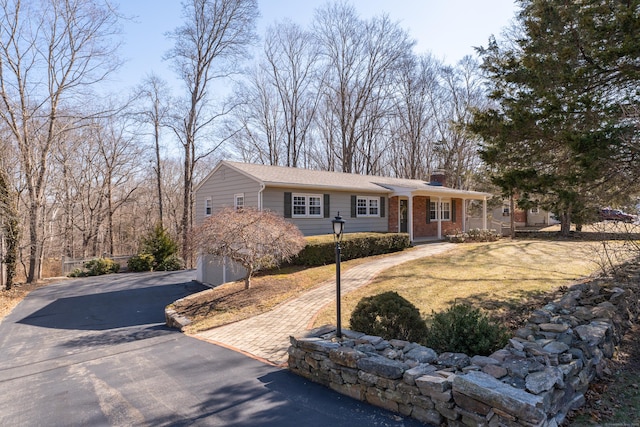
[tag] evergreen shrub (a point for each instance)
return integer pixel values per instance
(171, 263)
(100, 266)
(159, 244)
(140, 262)
(465, 329)
(390, 316)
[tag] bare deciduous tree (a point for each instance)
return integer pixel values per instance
(258, 119)
(411, 149)
(361, 59)
(253, 238)
(461, 93)
(278, 100)
(50, 54)
(290, 63)
(154, 93)
(215, 34)
(119, 159)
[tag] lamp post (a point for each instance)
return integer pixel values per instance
(338, 227)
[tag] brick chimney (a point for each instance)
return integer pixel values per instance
(438, 178)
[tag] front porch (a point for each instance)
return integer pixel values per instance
(430, 217)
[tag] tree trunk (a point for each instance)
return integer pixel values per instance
(512, 210)
(247, 278)
(158, 173)
(110, 217)
(11, 255)
(34, 244)
(186, 201)
(565, 223)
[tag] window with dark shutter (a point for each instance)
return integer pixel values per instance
(354, 201)
(382, 207)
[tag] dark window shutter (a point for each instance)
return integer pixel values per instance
(428, 210)
(354, 201)
(382, 207)
(287, 205)
(327, 209)
(453, 210)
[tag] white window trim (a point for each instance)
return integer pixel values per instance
(535, 210)
(235, 201)
(307, 206)
(442, 210)
(368, 206)
(208, 206)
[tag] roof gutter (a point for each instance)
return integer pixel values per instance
(327, 187)
(262, 186)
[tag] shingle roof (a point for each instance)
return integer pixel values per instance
(281, 176)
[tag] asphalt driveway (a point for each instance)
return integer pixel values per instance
(95, 351)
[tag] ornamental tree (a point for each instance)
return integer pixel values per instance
(253, 238)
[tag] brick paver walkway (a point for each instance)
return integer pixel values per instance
(266, 336)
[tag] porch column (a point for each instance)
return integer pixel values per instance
(464, 215)
(484, 213)
(410, 218)
(439, 217)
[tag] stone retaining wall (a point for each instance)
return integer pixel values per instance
(535, 380)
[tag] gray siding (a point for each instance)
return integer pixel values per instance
(273, 200)
(221, 187)
(213, 271)
(541, 218)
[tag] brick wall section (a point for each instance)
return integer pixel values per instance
(541, 375)
(423, 229)
(420, 226)
(452, 227)
(393, 214)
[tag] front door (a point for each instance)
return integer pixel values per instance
(404, 215)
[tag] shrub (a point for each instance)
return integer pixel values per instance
(464, 329)
(100, 266)
(478, 235)
(320, 250)
(171, 263)
(473, 235)
(159, 244)
(140, 262)
(390, 316)
(77, 272)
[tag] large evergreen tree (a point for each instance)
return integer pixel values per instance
(556, 136)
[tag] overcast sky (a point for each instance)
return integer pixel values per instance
(447, 28)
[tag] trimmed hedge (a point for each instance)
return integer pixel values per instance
(321, 250)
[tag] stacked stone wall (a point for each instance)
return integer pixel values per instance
(540, 376)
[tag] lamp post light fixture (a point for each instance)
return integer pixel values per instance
(338, 228)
